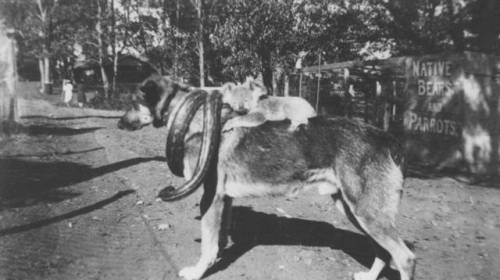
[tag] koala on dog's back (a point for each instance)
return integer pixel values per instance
(252, 102)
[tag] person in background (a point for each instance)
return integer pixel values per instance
(67, 92)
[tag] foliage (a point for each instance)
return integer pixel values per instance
(251, 37)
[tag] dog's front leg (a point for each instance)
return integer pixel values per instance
(210, 230)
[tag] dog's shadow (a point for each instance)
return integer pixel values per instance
(251, 228)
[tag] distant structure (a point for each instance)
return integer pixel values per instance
(445, 107)
(130, 70)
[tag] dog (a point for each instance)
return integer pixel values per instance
(251, 101)
(358, 165)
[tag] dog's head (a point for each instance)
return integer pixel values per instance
(153, 99)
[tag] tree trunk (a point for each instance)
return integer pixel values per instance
(201, 49)
(101, 47)
(114, 42)
(176, 41)
(456, 28)
(44, 15)
(488, 35)
(166, 40)
(8, 101)
(267, 69)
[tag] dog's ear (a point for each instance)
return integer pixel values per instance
(148, 86)
(152, 91)
(135, 106)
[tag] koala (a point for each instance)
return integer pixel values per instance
(254, 107)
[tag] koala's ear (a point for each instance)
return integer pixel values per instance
(250, 83)
(227, 87)
(259, 83)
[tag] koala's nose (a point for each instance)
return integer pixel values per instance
(242, 110)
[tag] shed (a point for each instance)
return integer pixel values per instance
(130, 70)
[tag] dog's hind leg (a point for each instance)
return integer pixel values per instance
(374, 212)
(210, 231)
(380, 256)
(387, 237)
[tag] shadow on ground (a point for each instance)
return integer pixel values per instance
(69, 118)
(55, 130)
(26, 183)
(56, 219)
(251, 228)
(429, 172)
(43, 129)
(52, 153)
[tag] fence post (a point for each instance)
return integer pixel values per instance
(286, 89)
(319, 82)
(300, 83)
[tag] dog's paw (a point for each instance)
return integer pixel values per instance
(228, 126)
(364, 275)
(192, 272)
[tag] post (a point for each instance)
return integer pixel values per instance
(319, 79)
(300, 83)
(286, 89)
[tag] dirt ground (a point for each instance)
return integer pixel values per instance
(77, 201)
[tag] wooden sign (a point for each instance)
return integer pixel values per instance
(433, 107)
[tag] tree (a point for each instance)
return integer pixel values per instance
(213, 41)
(486, 24)
(251, 34)
(261, 36)
(33, 20)
(423, 26)
(102, 46)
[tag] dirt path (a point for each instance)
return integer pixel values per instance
(454, 228)
(64, 212)
(83, 206)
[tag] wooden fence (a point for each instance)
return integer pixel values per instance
(444, 107)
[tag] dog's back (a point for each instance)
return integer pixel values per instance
(293, 108)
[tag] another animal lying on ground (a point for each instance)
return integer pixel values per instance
(250, 100)
(358, 165)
